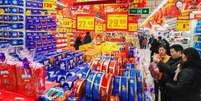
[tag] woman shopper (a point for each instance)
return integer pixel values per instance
(187, 78)
(164, 58)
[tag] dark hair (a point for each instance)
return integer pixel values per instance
(177, 47)
(88, 33)
(160, 37)
(191, 54)
(165, 47)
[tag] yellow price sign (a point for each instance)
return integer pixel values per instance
(67, 22)
(85, 23)
(99, 27)
(49, 5)
(117, 21)
(132, 27)
(28, 12)
(183, 25)
(2, 11)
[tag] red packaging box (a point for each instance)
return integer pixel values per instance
(8, 77)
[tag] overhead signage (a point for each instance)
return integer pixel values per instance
(117, 22)
(85, 23)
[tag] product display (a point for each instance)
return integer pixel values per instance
(90, 50)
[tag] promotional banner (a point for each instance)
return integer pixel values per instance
(85, 23)
(183, 25)
(132, 27)
(117, 22)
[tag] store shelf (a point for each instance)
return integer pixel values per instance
(11, 30)
(197, 34)
(34, 8)
(198, 49)
(11, 21)
(3, 6)
(34, 1)
(12, 14)
(36, 31)
(10, 38)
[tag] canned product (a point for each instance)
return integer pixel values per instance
(105, 88)
(78, 87)
(105, 66)
(113, 67)
(132, 89)
(89, 84)
(100, 65)
(114, 98)
(124, 89)
(96, 87)
(117, 86)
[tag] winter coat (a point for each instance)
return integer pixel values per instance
(188, 84)
(168, 71)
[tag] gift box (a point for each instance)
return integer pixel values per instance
(8, 77)
(31, 82)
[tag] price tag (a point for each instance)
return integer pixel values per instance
(85, 23)
(183, 25)
(117, 21)
(28, 12)
(1, 12)
(67, 22)
(49, 5)
(99, 27)
(132, 27)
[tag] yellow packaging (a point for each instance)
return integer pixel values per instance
(92, 54)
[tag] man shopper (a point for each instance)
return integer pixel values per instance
(168, 69)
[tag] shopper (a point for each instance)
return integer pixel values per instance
(78, 42)
(154, 47)
(87, 38)
(164, 58)
(145, 42)
(168, 70)
(187, 79)
(163, 41)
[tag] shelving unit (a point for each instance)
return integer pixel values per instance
(197, 35)
(12, 27)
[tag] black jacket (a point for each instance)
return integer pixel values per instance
(168, 71)
(188, 84)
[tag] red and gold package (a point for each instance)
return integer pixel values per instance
(31, 82)
(8, 77)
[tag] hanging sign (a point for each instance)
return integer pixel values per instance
(117, 22)
(183, 25)
(85, 23)
(132, 27)
(49, 4)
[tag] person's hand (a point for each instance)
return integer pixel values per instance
(156, 59)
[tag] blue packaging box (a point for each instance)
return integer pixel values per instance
(34, 4)
(6, 18)
(13, 34)
(16, 42)
(1, 17)
(16, 26)
(52, 73)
